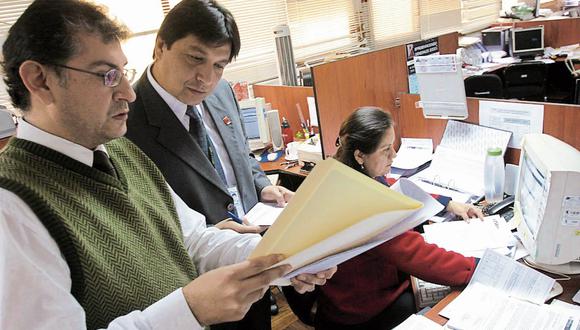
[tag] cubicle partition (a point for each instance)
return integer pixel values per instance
(377, 78)
(560, 121)
(284, 99)
(557, 32)
(380, 79)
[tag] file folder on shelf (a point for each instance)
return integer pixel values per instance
(335, 209)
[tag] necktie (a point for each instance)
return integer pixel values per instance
(199, 134)
(102, 163)
(197, 129)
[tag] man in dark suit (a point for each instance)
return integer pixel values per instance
(186, 119)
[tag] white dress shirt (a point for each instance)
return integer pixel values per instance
(35, 279)
(179, 108)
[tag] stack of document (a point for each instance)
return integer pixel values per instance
(471, 239)
(338, 213)
(413, 154)
(504, 294)
(456, 170)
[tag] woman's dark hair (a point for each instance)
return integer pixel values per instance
(207, 20)
(363, 130)
(47, 32)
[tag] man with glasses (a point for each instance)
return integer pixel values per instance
(91, 236)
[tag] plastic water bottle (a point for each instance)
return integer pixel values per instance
(494, 175)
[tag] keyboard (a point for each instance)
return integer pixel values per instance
(428, 294)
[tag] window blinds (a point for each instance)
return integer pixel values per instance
(317, 27)
(392, 22)
(256, 20)
(478, 14)
(439, 17)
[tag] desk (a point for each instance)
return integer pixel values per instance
(290, 178)
(570, 288)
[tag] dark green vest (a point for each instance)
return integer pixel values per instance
(120, 237)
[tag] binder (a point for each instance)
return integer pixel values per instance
(335, 209)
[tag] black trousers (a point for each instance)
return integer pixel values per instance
(257, 318)
(389, 318)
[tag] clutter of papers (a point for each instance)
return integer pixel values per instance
(473, 238)
(412, 155)
(504, 294)
(457, 166)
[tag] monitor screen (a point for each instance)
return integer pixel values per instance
(528, 41)
(250, 120)
(531, 193)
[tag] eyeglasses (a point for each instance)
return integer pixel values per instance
(111, 78)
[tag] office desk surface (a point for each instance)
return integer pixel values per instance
(570, 288)
(278, 167)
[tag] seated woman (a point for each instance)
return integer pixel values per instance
(372, 290)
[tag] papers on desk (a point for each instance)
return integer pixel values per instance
(412, 154)
(418, 322)
(457, 166)
(264, 214)
(471, 239)
(504, 294)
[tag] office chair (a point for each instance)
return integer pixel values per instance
(486, 85)
(525, 81)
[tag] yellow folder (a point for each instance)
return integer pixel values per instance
(333, 199)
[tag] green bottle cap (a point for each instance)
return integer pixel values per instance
(494, 151)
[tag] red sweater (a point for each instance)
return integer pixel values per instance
(367, 284)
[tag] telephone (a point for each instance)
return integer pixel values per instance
(500, 207)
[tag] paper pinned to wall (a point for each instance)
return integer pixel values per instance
(518, 118)
(312, 110)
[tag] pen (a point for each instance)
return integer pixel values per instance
(235, 218)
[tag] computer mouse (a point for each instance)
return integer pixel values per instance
(272, 157)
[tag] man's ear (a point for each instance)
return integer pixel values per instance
(158, 50)
(359, 157)
(35, 77)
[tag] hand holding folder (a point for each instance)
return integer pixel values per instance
(336, 209)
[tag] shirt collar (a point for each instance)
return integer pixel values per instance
(174, 104)
(27, 131)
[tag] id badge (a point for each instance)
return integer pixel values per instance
(237, 201)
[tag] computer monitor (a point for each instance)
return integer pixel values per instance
(496, 38)
(254, 121)
(526, 43)
(547, 203)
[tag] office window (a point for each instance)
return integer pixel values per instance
(391, 22)
(478, 14)
(439, 17)
(256, 20)
(139, 48)
(9, 13)
(318, 27)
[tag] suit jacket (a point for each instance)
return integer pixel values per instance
(157, 131)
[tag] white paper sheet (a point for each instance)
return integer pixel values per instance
(418, 322)
(312, 110)
(413, 153)
(263, 214)
(518, 118)
(473, 238)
